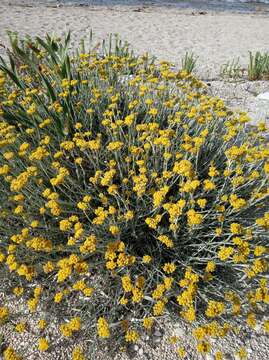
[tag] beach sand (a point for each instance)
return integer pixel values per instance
(165, 32)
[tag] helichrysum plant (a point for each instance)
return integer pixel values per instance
(127, 194)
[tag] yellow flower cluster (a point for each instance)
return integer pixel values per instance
(131, 336)
(77, 354)
(4, 312)
(103, 328)
(10, 354)
(68, 328)
(116, 256)
(43, 344)
(215, 308)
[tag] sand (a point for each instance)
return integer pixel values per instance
(165, 32)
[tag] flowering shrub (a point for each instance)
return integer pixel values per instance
(129, 193)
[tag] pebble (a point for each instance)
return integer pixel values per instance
(140, 351)
(210, 357)
(157, 340)
(228, 356)
(157, 333)
(145, 337)
(259, 328)
(179, 331)
(263, 96)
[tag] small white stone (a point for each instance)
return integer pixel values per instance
(210, 357)
(136, 348)
(263, 96)
(140, 351)
(259, 328)
(179, 331)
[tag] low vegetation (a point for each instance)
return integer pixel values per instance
(127, 195)
(257, 69)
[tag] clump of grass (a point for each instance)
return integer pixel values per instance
(188, 62)
(232, 70)
(125, 199)
(258, 67)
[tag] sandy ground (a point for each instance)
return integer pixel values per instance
(154, 346)
(165, 32)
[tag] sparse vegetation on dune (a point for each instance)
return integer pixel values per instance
(257, 68)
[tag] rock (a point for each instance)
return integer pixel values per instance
(132, 350)
(213, 340)
(145, 337)
(210, 357)
(140, 351)
(157, 340)
(258, 328)
(179, 331)
(228, 356)
(263, 96)
(261, 112)
(157, 333)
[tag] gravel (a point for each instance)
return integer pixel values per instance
(242, 95)
(155, 346)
